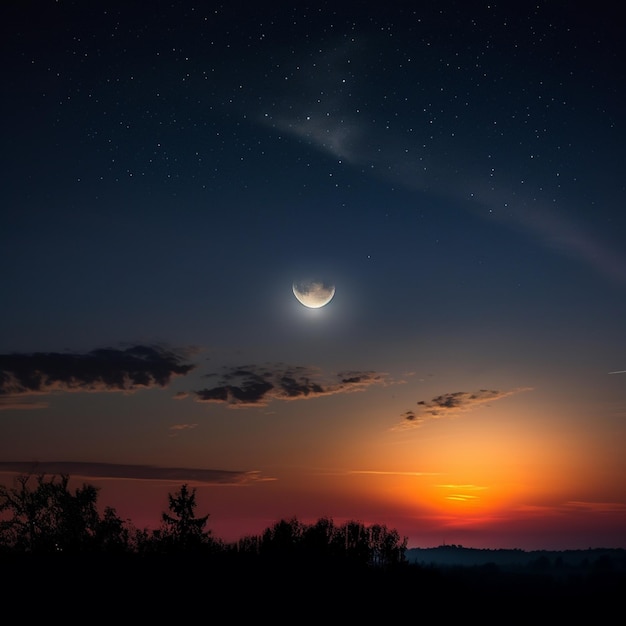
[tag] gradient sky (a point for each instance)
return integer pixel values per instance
(456, 169)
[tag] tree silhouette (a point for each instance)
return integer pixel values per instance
(41, 514)
(181, 530)
(48, 517)
(323, 541)
(386, 547)
(317, 540)
(113, 535)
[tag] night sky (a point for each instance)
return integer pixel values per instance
(455, 169)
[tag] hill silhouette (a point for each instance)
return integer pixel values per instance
(557, 562)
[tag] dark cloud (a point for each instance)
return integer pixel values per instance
(131, 472)
(449, 404)
(454, 400)
(257, 385)
(410, 416)
(105, 369)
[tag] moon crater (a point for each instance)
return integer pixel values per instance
(313, 294)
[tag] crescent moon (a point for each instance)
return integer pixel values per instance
(314, 294)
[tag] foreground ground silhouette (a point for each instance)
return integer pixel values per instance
(227, 588)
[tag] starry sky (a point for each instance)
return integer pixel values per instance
(455, 169)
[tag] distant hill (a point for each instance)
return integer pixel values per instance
(537, 560)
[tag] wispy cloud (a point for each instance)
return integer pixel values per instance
(132, 472)
(253, 385)
(321, 112)
(183, 426)
(451, 404)
(387, 473)
(105, 369)
(578, 506)
(561, 233)
(179, 428)
(459, 492)
(20, 404)
(313, 110)
(604, 507)
(340, 137)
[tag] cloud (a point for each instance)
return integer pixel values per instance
(179, 428)
(183, 426)
(311, 109)
(20, 404)
(105, 369)
(577, 506)
(321, 112)
(340, 137)
(253, 385)
(131, 472)
(451, 404)
(459, 492)
(561, 233)
(393, 473)
(603, 507)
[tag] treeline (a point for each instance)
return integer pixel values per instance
(63, 560)
(40, 514)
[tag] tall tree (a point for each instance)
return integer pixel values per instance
(181, 530)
